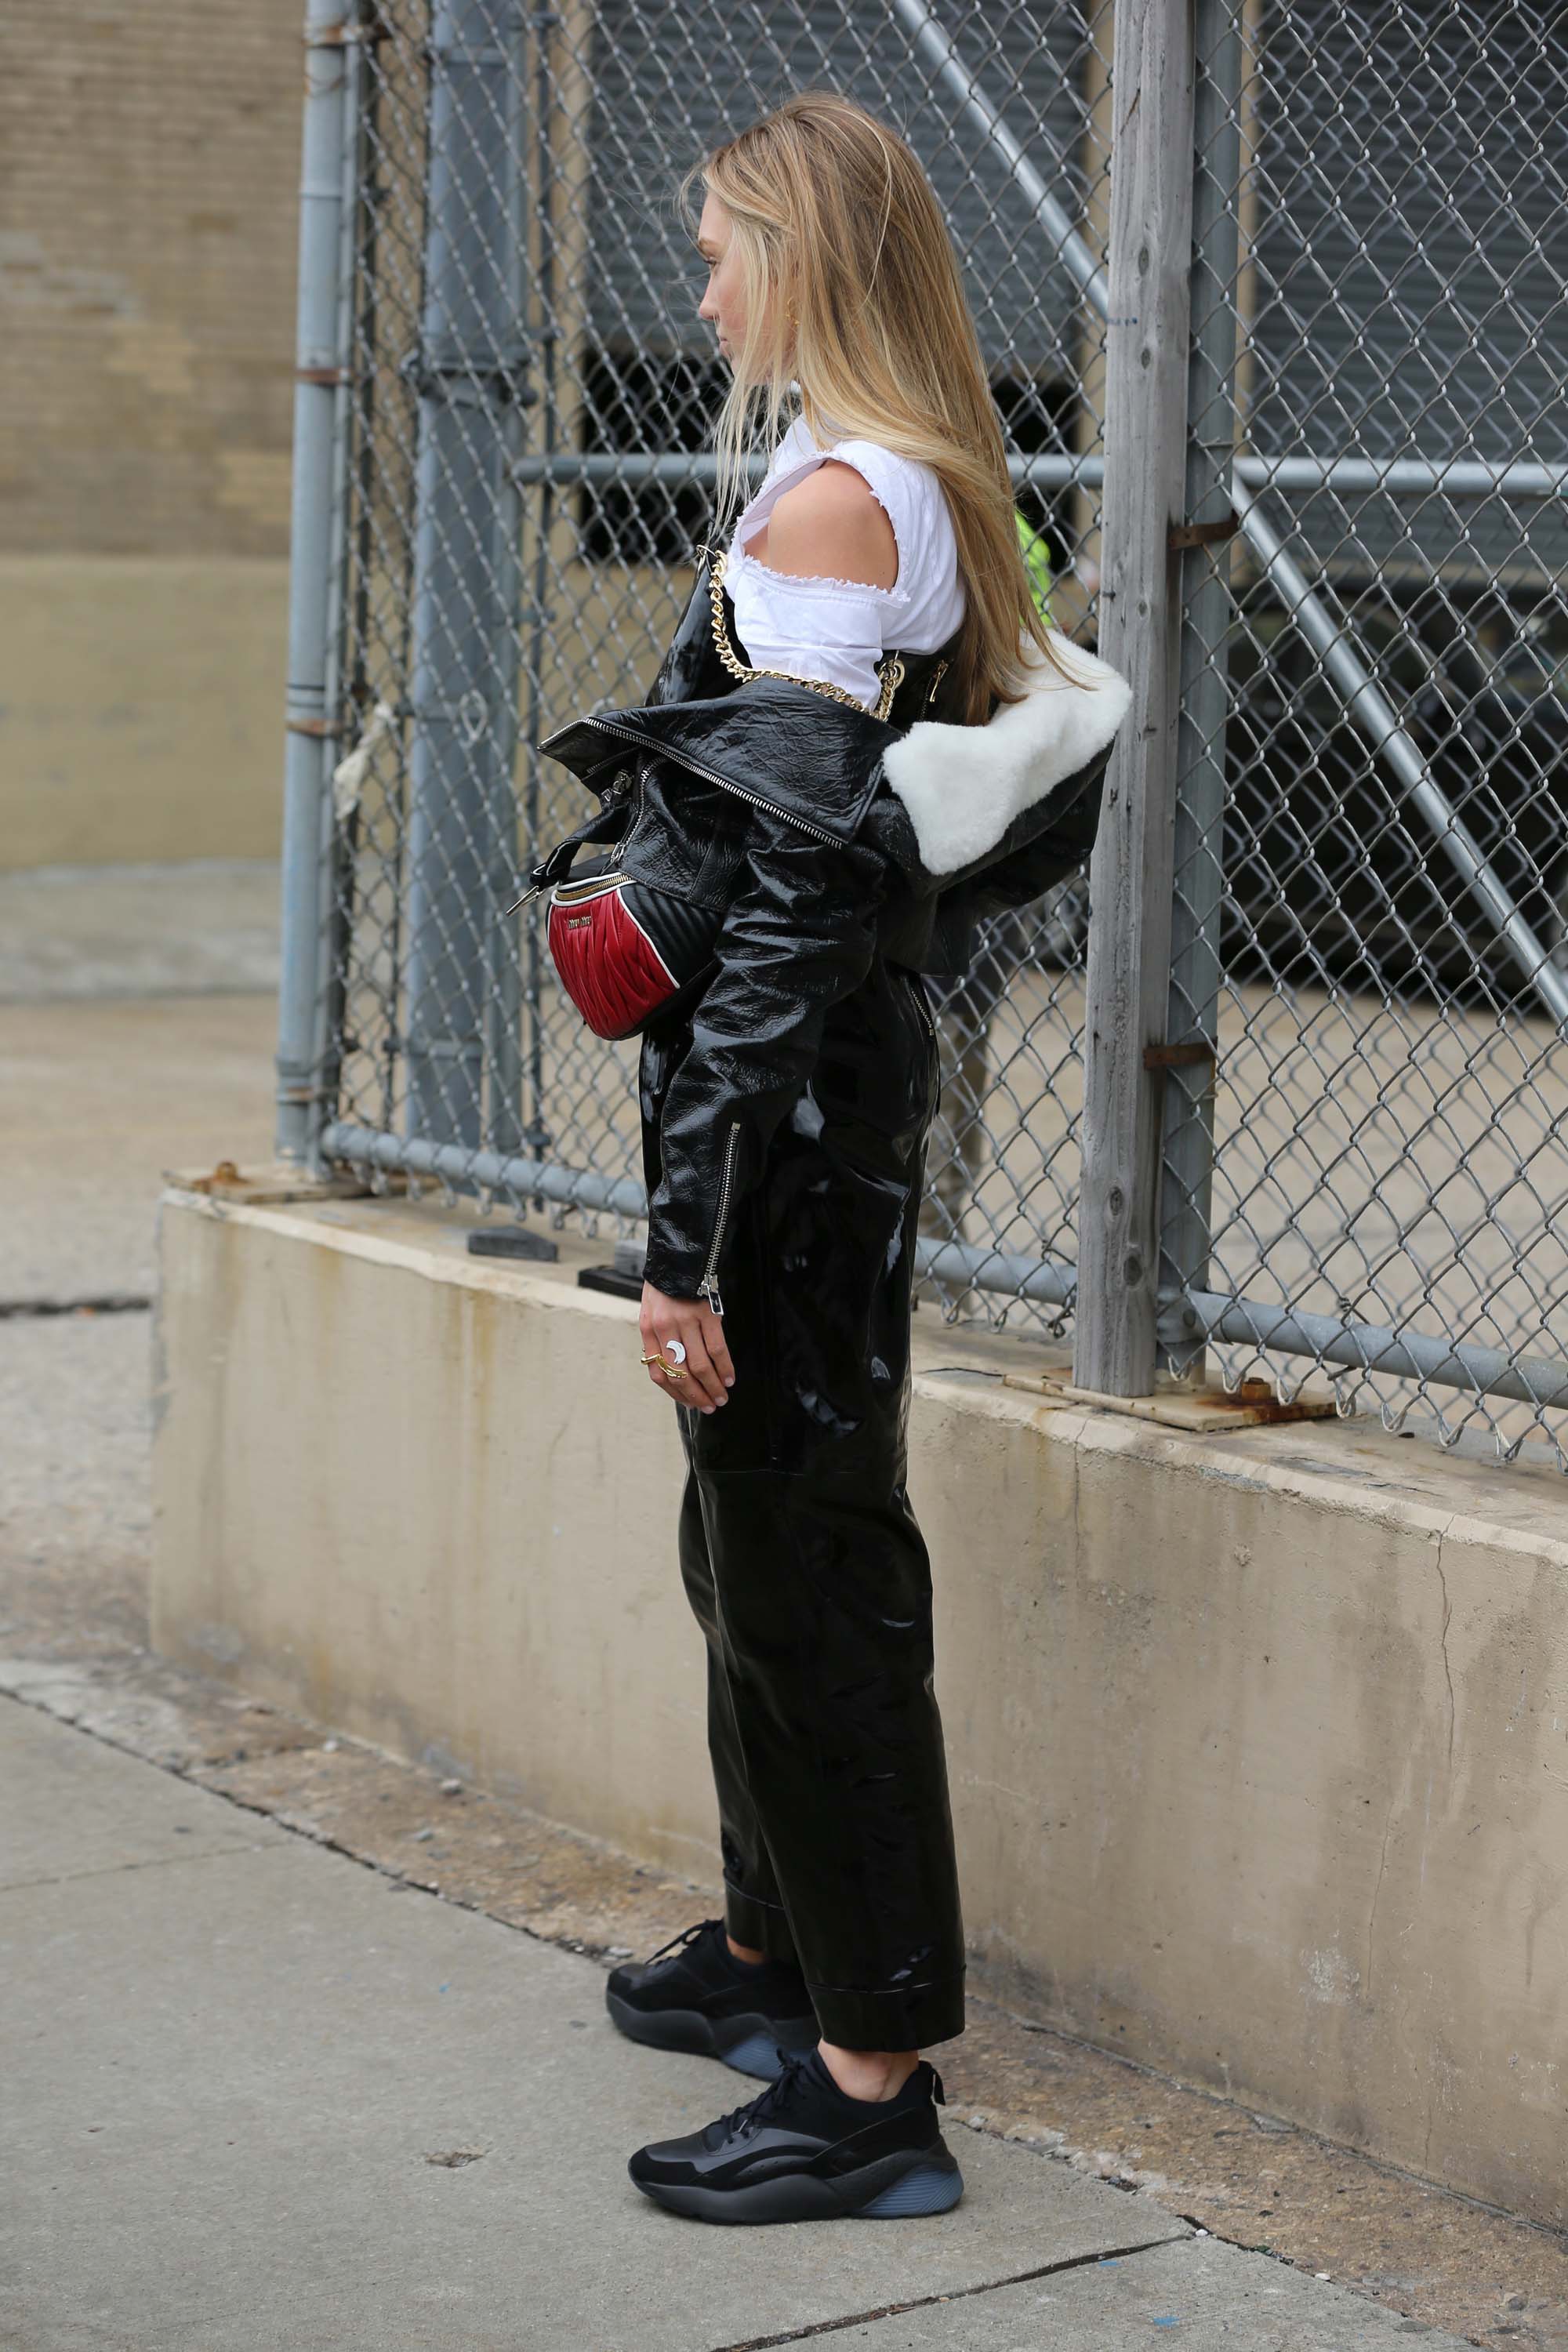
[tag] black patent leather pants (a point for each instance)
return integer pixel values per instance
(802, 1558)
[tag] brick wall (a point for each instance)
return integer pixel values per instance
(149, 174)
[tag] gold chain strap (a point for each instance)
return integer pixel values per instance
(889, 669)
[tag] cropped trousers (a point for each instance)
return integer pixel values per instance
(801, 1556)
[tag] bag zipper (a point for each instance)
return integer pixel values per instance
(711, 775)
(588, 885)
(709, 1285)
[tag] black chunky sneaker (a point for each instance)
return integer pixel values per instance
(803, 2150)
(705, 1999)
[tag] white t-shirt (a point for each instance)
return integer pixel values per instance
(836, 629)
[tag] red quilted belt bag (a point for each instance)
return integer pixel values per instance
(624, 952)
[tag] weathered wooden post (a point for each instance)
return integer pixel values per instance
(1186, 1149)
(1130, 877)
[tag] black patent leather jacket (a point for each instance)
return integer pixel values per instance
(825, 837)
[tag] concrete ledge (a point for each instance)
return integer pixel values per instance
(1259, 1741)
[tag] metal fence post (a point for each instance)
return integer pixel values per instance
(1129, 876)
(1192, 1018)
(305, 1086)
(461, 823)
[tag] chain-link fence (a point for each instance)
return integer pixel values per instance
(501, 481)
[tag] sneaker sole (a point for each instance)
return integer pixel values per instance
(747, 2043)
(895, 2188)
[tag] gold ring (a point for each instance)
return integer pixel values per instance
(671, 1371)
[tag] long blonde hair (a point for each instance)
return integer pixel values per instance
(835, 221)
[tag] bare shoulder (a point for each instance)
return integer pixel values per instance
(832, 525)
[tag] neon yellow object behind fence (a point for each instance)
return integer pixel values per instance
(1037, 564)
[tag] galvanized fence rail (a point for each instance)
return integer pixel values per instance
(1274, 307)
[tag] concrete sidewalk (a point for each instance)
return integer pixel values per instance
(138, 1020)
(258, 2096)
(75, 934)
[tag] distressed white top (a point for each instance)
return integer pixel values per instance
(822, 627)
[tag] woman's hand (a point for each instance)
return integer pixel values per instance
(709, 1373)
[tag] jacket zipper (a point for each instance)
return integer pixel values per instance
(711, 775)
(709, 1285)
(634, 793)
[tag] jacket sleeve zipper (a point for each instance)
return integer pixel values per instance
(924, 1002)
(709, 1285)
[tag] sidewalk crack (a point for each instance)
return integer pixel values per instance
(954, 2294)
(107, 1302)
(148, 1862)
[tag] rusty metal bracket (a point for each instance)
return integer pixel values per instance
(274, 1185)
(1178, 1058)
(324, 727)
(1200, 1411)
(329, 376)
(1184, 535)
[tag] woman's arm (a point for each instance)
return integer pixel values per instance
(800, 934)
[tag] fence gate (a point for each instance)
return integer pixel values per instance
(1325, 1106)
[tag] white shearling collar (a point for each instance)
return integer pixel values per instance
(962, 786)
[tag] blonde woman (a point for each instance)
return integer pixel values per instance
(863, 739)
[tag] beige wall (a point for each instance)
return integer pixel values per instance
(140, 708)
(1258, 1742)
(149, 170)
(149, 174)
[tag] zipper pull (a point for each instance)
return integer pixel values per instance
(532, 892)
(709, 1285)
